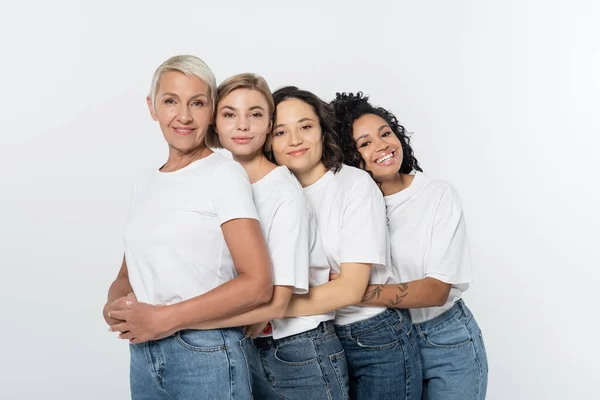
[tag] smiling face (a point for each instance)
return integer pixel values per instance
(243, 122)
(297, 139)
(183, 110)
(378, 146)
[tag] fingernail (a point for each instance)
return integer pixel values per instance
(128, 302)
(109, 314)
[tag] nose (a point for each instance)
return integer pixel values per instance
(242, 124)
(296, 139)
(380, 145)
(184, 115)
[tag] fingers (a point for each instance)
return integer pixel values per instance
(119, 314)
(126, 336)
(120, 327)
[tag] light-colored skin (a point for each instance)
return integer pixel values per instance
(297, 144)
(243, 123)
(184, 112)
(381, 152)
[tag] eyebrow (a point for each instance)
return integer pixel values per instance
(193, 97)
(301, 120)
(235, 109)
(382, 127)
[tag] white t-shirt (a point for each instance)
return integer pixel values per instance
(350, 214)
(295, 246)
(428, 238)
(174, 246)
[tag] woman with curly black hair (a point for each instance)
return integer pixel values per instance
(350, 213)
(430, 250)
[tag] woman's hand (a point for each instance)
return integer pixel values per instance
(140, 322)
(254, 330)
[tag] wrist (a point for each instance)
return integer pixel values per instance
(169, 318)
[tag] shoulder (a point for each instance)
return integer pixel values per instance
(224, 167)
(441, 191)
(356, 179)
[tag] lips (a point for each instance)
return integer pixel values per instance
(184, 131)
(297, 153)
(241, 139)
(387, 159)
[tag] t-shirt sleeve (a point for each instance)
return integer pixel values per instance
(232, 197)
(364, 232)
(449, 256)
(288, 242)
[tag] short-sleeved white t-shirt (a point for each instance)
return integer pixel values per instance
(428, 238)
(174, 246)
(297, 254)
(350, 215)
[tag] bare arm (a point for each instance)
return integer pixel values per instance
(119, 289)
(426, 292)
(251, 288)
(339, 293)
(274, 309)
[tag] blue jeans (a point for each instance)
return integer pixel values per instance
(307, 366)
(191, 365)
(453, 354)
(383, 357)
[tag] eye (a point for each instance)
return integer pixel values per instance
(256, 115)
(169, 101)
(278, 133)
(198, 103)
(385, 134)
(228, 115)
(364, 144)
(305, 127)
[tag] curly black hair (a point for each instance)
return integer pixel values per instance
(348, 107)
(332, 153)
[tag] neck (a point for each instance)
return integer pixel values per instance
(307, 178)
(178, 160)
(256, 165)
(395, 183)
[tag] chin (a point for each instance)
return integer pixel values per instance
(382, 173)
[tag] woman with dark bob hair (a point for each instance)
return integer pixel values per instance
(350, 213)
(430, 250)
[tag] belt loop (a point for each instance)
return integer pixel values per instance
(463, 308)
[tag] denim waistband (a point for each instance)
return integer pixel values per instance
(267, 342)
(389, 316)
(459, 308)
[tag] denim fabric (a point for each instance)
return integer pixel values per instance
(307, 366)
(191, 365)
(383, 357)
(453, 354)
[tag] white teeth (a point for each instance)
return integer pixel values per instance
(384, 159)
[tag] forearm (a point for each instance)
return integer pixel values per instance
(324, 298)
(234, 297)
(119, 288)
(274, 309)
(427, 292)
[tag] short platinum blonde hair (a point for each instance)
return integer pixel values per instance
(189, 65)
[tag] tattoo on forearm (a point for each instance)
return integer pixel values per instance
(403, 288)
(372, 293)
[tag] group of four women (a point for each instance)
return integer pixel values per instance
(318, 263)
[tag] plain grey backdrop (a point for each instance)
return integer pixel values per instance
(502, 96)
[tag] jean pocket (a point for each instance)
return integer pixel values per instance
(340, 367)
(201, 341)
(298, 352)
(453, 335)
(382, 338)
